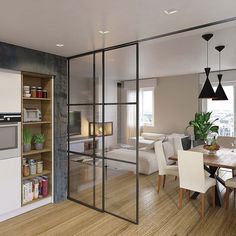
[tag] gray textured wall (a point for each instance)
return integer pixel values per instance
(22, 59)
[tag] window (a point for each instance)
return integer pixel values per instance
(146, 106)
(224, 111)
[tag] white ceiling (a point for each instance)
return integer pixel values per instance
(75, 23)
(175, 55)
(186, 53)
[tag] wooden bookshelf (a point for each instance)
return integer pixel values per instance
(45, 105)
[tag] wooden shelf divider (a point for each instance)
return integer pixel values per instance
(33, 152)
(37, 123)
(35, 200)
(45, 172)
(39, 99)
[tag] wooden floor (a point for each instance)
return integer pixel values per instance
(159, 215)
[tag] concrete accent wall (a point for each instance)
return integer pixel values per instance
(176, 102)
(22, 59)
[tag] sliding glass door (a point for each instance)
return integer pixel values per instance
(121, 182)
(103, 131)
(85, 183)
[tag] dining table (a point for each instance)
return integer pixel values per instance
(223, 158)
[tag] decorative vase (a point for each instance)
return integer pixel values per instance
(27, 147)
(39, 146)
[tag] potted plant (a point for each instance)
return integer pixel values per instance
(39, 140)
(202, 126)
(27, 139)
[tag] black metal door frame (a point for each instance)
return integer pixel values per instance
(103, 158)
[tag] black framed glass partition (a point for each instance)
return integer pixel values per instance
(85, 175)
(103, 131)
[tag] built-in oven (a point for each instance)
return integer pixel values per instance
(10, 135)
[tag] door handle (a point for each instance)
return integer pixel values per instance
(9, 125)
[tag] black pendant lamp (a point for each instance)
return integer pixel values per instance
(220, 93)
(207, 90)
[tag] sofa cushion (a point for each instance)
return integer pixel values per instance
(173, 135)
(153, 136)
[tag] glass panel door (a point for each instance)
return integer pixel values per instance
(103, 131)
(120, 154)
(85, 183)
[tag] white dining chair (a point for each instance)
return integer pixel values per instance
(192, 177)
(230, 184)
(177, 143)
(226, 141)
(164, 168)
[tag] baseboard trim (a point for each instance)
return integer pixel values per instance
(25, 209)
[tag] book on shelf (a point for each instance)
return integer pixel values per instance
(34, 188)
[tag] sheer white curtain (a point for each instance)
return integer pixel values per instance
(131, 114)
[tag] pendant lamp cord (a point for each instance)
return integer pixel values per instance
(207, 53)
(219, 62)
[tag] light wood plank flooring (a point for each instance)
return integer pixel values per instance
(159, 215)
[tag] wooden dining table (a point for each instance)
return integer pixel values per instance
(224, 158)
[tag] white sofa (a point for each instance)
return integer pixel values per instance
(148, 163)
(149, 138)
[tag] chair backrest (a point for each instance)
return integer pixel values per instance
(225, 141)
(161, 160)
(191, 171)
(178, 144)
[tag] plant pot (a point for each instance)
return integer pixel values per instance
(27, 147)
(39, 146)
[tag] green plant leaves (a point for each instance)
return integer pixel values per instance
(202, 125)
(27, 136)
(39, 138)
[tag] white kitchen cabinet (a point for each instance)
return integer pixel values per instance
(10, 185)
(10, 90)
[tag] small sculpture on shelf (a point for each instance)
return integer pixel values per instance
(39, 140)
(27, 139)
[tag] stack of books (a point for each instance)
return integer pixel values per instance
(34, 188)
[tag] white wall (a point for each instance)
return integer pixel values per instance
(176, 102)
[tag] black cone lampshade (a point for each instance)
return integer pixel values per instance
(207, 90)
(220, 93)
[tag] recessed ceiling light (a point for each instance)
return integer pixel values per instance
(60, 45)
(171, 11)
(104, 32)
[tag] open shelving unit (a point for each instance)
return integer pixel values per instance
(44, 126)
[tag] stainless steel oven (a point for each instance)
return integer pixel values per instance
(10, 135)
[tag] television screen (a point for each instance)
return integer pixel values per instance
(75, 123)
